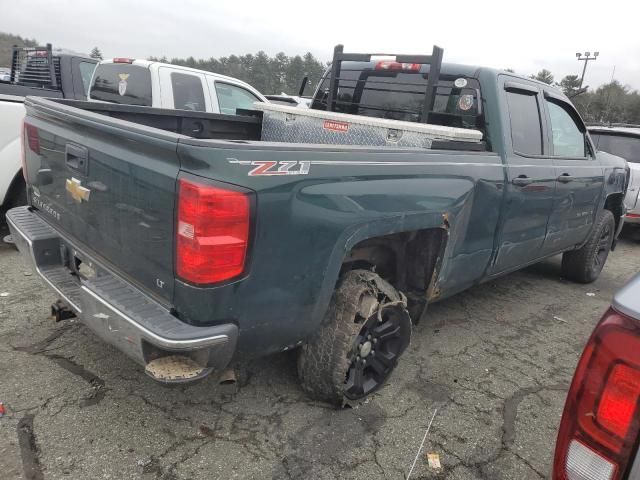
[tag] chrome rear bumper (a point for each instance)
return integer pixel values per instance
(117, 311)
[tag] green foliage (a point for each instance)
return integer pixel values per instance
(610, 103)
(544, 76)
(96, 53)
(7, 41)
(570, 85)
(270, 75)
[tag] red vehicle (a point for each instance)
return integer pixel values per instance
(600, 426)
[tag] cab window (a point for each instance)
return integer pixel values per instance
(526, 130)
(121, 83)
(187, 92)
(232, 97)
(568, 137)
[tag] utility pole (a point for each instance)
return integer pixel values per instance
(586, 58)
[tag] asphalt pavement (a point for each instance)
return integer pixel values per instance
(493, 364)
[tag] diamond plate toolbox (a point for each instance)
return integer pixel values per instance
(281, 123)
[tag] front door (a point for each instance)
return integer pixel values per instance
(579, 177)
(530, 179)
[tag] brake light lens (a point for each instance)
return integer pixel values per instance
(123, 60)
(601, 420)
(33, 137)
(30, 136)
(633, 215)
(212, 234)
(396, 66)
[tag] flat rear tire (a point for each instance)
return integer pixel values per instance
(365, 331)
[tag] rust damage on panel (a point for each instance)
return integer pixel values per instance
(433, 292)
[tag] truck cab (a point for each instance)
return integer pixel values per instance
(161, 85)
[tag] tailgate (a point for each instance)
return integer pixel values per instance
(108, 186)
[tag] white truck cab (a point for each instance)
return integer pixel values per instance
(161, 85)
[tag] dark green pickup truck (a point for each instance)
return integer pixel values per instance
(187, 242)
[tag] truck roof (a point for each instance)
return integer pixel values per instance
(150, 63)
(624, 130)
(463, 70)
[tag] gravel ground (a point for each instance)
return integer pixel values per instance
(493, 363)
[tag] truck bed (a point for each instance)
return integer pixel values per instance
(193, 124)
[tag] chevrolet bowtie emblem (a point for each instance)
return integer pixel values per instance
(77, 191)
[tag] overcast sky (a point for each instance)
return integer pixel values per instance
(524, 36)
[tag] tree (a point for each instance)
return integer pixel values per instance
(544, 76)
(96, 53)
(570, 85)
(295, 74)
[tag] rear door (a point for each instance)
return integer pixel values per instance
(109, 187)
(579, 176)
(184, 90)
(530, 176)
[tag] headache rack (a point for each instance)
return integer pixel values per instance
(35, 67)
(434, 61)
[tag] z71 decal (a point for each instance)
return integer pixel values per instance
(272, 167)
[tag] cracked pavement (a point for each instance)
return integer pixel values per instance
(495, 361)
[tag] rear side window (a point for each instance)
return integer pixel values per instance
(187, 92)
(526, 130)
(627, 147)
(122, 83)
(232, 97)
(568, 139)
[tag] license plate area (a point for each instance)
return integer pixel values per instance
(80, 264)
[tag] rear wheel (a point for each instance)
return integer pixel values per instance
(585, 264)
(366, 329)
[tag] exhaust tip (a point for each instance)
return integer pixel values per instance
(228, 377)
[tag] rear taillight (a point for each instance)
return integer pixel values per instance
(123, 60)
(30, 137)
(633, 215)
(396, 66)
(212, 234)
(601, 421)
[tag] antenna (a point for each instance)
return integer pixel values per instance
(609, 94)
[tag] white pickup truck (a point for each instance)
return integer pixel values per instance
(161, 85)
(41, 72)
(122, 81)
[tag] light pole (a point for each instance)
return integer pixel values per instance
(586, 58)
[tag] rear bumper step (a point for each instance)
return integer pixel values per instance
(114, 309)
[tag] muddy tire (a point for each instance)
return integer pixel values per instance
(364, 332)
(585, 264)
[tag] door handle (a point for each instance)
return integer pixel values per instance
(565, 178)
(77, 157)
(522, 181)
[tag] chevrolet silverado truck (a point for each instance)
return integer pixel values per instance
(35, 71)
(187, 242)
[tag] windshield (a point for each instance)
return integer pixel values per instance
(624, 146)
